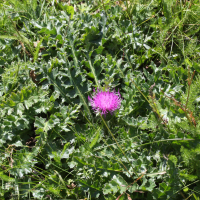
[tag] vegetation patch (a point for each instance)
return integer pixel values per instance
(99, 99)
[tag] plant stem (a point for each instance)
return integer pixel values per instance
(115, 139)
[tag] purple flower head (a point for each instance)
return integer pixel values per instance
(105, 101)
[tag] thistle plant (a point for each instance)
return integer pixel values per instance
(52, 147)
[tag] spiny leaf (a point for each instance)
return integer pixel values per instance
(41, 123)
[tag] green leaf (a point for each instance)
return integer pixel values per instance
(37, 50)
(8, 37)
(41, 123)
(70, 10)
(115, 185)
(147, 185)
(95, 138)
(66, 151)
(99, 49)
(6, 178)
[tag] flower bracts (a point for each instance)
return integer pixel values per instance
(105, 101)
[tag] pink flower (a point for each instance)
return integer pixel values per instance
(105, 101)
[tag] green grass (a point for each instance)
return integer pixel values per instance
(53, 54)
